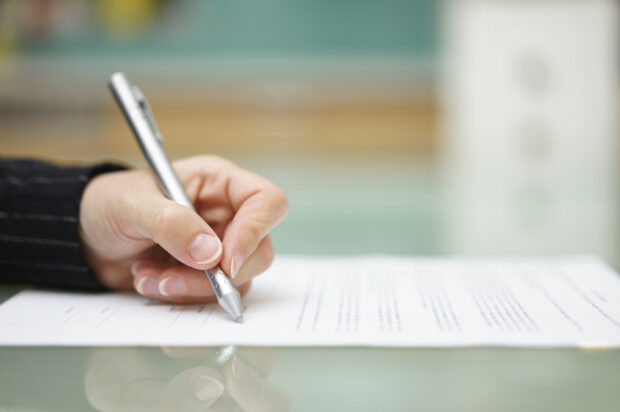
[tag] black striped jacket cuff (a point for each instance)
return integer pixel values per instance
(39, 227)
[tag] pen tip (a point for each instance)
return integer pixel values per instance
(239, 319)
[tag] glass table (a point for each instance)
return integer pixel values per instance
(369, 206)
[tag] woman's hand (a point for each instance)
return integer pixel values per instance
(128, 226)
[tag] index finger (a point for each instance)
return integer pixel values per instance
(259, 206)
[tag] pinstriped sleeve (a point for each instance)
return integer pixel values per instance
(39, 236)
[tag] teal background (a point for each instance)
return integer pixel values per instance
(292, 27)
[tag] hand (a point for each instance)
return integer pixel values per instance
(128, 226)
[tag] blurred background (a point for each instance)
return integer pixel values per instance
(396, 126)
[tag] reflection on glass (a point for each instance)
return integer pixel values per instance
(183, 379)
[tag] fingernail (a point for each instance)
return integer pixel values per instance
(205, 249)
(206, 388)
(148, 286)
(235, 264)
(173, 286)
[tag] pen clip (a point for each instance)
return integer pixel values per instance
(148, 114)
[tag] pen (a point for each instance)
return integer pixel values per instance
(140, 118)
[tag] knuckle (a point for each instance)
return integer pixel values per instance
(207, 158)
(212, 160)
(196, 162)
(204, 163)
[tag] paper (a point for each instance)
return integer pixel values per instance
(357, 301)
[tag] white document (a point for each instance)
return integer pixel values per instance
(357, 301)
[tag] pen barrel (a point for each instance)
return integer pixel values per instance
(222, 285)
(147, 140)
(166, 177)
(226, 293)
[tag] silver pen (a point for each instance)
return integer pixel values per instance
(140, 118)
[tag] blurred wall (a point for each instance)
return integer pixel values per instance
(339, 103)
(531, 126)
(239, 79)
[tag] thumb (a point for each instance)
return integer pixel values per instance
(180, 231)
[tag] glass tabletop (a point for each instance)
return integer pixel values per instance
(309, 379)
(367, 206)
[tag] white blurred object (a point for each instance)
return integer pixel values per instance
(531, 93)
